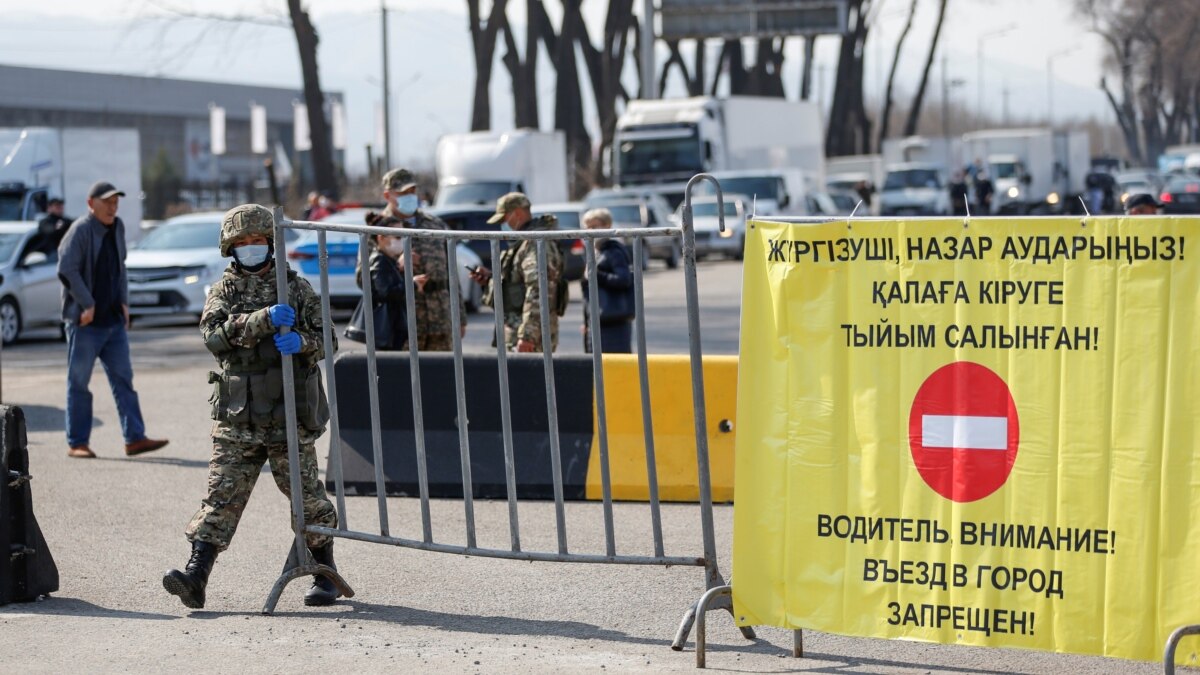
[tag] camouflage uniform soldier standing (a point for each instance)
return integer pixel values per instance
(239, 325)
(519, 278)
(433, 303)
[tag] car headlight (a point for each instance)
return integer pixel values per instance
(1013, 192)
(193, 274)
(727, 233)
(1052, 198)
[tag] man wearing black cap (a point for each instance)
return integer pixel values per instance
(1141, 205)
(52, 227)
(91, 266)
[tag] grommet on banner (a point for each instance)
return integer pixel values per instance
(1086, 214)
(851, 216)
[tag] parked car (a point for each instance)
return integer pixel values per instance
(647, 210)
(172, 267)
(1181, 196)
(30, 292)
(846, 201)
(471, 218)
(710, 240)
(342, 248)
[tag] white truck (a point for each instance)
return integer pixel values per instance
(666, 142)
(38, 163)
(1036, 170)
(476, 168)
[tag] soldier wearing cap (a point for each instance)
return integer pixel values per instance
(519, 276)
(433, 302)
(241, 327)
(1141, 205)
(95, 307)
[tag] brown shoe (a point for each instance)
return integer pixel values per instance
(81, 451)
(144, 445)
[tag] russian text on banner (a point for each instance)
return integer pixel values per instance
(980, 434)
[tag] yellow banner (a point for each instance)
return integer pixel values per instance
(979, 433)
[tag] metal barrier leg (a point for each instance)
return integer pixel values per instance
(1173, 644)
(798, 643)
(700, 610)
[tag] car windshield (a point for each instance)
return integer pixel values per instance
(626, 214)
(474, 193)
(8, 244)
(643, 156)
(10, 205)
(567, 220)
(762, 187)
(183, 234)
(1004, 170)
(709, 209)
(911, 178)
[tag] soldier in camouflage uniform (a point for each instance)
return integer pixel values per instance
(240, 327)
(519, 278)
(433, 303)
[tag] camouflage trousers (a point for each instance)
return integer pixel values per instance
(232, 473)
(432, 342)
(512, 324)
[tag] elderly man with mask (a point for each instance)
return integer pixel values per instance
(433, 302)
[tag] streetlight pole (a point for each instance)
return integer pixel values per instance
(1050, 81)
(979, 64)
(387, 121)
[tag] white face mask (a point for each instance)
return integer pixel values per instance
(394, 246)
(251, 256)
(407, 204)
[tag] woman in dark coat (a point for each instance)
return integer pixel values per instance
(387, 290)
(614, 278)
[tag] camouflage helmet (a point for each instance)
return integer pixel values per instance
(247, 219)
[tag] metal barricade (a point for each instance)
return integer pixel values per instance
(706, 557)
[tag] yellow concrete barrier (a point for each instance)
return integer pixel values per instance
(674, 428)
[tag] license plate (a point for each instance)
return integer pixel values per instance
(144, 298)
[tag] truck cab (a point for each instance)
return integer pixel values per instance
(664, 141)
(915, 189)
(475, 169)
(1011, 180)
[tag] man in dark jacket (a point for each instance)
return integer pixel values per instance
(91, 266)
(52, 227)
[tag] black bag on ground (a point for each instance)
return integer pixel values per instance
(27, 570)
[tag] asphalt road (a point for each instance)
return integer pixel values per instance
(115, 524)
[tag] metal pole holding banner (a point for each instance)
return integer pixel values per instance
(715, 579)
(305, 565)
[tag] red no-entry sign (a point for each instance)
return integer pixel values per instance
(963, 431)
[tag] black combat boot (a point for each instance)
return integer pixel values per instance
(323, 591)
(189, 584)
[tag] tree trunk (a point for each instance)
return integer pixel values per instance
(568, 101)
(806, 71)
(914, 113)
(483, 39)
(885, 119)
(314, 101)
(849, 131)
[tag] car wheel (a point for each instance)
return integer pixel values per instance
(10, 321)
(673, 258)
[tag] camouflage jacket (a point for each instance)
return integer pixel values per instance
(518, 275)
(248, 403)
(432, 304)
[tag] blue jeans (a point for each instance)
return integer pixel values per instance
(111, 345)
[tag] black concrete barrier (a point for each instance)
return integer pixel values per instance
(531, 441)
(27, 570)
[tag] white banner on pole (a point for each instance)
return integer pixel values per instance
(216, 129)
(302, 137)
(258, 129)
(337, 121)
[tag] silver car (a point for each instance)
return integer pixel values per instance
(30, 292)
(710, 240)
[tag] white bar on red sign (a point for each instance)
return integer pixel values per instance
(964, 431)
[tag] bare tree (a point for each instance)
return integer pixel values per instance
(885, 118)
(314, 101)
(483, 39)
(914, 113)
(849, 131)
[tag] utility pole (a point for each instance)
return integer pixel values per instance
(387, 117)
(649, 89)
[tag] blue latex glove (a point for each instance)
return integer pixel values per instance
(282, 315)
(287, 343)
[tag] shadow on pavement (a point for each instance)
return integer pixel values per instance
(849, 664)
(48, 418)
(496, 625)
(55, 606)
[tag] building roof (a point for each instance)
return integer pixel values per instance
(43, 88)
